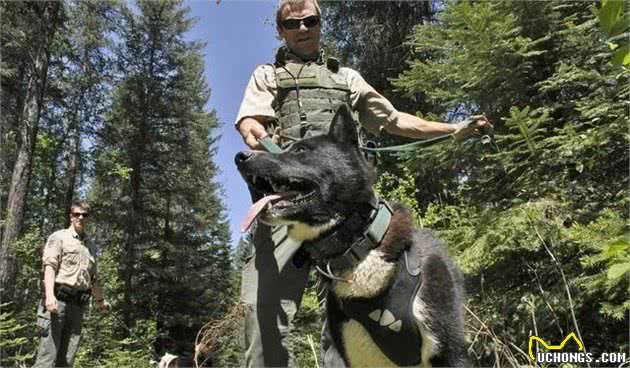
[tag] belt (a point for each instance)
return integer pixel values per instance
(71, 295)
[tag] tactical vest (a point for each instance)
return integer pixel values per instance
(308, 96)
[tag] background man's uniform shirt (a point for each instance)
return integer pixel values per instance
(72, 259)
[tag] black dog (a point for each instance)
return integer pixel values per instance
(395, 298)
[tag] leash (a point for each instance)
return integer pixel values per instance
(405, 147)
(122, 324)
(268, 144)
(271, 147)
(486, 138)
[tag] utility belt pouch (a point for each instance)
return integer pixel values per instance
(65, 293)
(84, 297)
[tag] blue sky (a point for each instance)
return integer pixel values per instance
(240, 34)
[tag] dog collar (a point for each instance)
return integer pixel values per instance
(326, 251)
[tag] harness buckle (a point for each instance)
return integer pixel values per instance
(380, 224)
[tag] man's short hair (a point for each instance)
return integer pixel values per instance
(296, 4)
(80, 204)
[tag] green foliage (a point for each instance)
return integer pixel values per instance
(101, 347)
(613, 21)
(607, 239)
(19, 316)
(154, 180)
(124, 126)
(400, 188)
(305, 340)
(548, 204)
(13, 343)
(370, 37)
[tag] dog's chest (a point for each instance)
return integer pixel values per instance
(369, 278)
(378, 323)
(360, 349)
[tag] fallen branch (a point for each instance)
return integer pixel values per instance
(209, 335)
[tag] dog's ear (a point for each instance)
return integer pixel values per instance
(343, 129)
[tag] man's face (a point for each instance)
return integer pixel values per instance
(79, 219)
(304, 40)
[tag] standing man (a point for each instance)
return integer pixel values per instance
(294, 98)
(69, 262)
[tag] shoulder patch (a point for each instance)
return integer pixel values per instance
(56, 235)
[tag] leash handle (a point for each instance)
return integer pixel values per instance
(268, 144)
(487, 133)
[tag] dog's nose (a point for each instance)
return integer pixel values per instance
(242, 157)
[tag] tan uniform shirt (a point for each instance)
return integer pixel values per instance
(375, 111)
(74, 261)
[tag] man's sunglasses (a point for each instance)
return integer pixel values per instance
(79, 214)
(309, 22)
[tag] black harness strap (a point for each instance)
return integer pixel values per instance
(388, 318)
(364, 230)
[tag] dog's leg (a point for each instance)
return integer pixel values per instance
(439, 312)
(430, 343)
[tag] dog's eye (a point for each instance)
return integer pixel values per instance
(299, 149)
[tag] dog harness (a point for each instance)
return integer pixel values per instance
(363, 230)
(309, 93)
(388, 318)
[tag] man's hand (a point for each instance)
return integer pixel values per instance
(480, 123)
(103, 306)
(252, 130)
(51, 304)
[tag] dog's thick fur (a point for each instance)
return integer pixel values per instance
(322, 181)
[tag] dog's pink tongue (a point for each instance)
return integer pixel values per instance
(255, 209)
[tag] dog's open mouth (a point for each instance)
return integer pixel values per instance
(280, 196)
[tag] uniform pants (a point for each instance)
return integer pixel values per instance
(271, 290)
(60, 334)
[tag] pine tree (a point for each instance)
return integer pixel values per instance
(371, 38)
(33, 24)
(546, 204)
(155, 184)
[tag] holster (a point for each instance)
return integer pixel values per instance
(70, 295)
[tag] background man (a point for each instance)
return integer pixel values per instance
(69, 263)
(292, 99)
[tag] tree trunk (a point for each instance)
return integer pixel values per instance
(8, 126)
(4, 173)
(29, 120)
(73, 161)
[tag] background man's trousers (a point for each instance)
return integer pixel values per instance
(60, 334)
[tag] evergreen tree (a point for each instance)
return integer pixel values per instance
(154, 180)
(30, 24)
(371, 38)
(547, 204)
